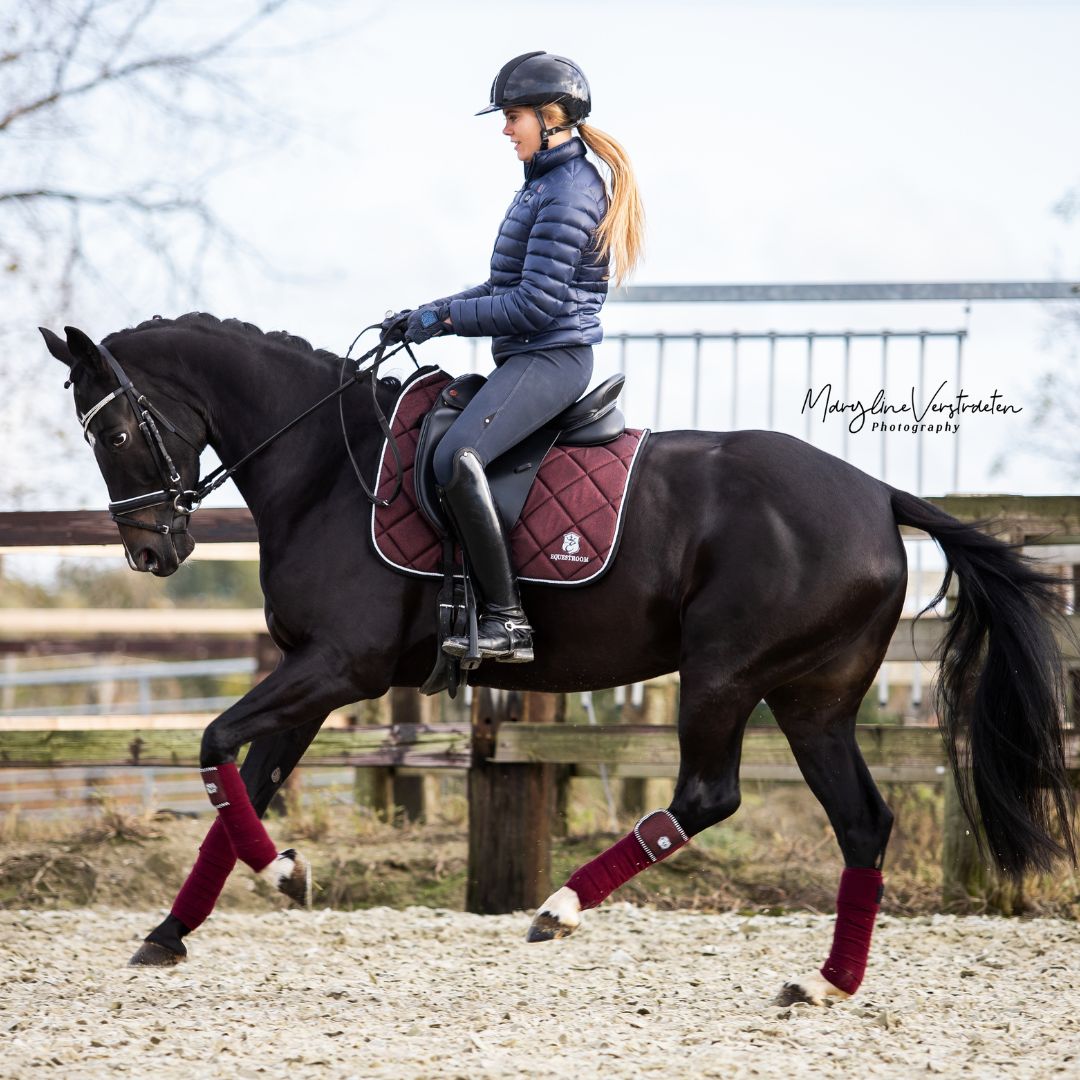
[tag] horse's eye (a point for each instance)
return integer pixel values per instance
(118, 440)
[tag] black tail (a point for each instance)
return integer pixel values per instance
(1000, 692)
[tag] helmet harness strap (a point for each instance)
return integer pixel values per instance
(546, 131)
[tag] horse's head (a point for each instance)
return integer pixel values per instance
(149, 462)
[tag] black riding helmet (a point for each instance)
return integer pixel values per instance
(542, 78)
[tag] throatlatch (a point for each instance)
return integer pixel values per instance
(653, 838)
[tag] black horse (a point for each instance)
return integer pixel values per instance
(755, 565)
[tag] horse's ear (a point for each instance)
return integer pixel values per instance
(57, 346)
(83, 350)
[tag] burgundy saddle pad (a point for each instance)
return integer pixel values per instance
(568, 530)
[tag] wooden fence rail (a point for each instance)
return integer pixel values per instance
(894, 754)
(26, 745)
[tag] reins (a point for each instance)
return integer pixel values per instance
(185, 501)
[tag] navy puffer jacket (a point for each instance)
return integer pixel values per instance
(547, 282)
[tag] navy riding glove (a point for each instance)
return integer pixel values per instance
(424, 323)
(392, 329)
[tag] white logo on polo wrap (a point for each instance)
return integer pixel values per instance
(652, 831)
(212, 788)
(571, 545)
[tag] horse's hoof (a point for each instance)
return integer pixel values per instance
(547, 927)
(151, 954)
(558, 917)
(812, 989)
(290, 874)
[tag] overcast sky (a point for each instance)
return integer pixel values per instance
(772, 142)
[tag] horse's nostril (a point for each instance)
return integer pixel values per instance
(149, 560)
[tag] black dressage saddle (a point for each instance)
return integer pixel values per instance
(591, 421)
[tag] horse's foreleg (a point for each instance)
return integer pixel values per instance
(304, 683)
(711, 723)
(823, 742)
(301, 686)
(266, 767)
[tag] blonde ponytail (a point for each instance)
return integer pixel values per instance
(620, 235)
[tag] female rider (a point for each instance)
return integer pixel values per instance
(540, 305)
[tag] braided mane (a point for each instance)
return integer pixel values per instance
(204, 320)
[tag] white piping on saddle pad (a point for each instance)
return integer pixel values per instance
(605, 563)
(382, 457)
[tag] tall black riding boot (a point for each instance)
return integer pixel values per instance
(503, 632)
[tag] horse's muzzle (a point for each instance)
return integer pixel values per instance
(160, 555)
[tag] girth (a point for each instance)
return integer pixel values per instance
(591, 421)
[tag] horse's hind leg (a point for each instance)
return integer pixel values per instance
(712, 718)
(266, 767)
(817, 714)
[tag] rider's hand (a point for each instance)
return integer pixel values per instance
(424, 323)
(392, 329)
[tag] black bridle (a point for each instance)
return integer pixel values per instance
(185, 501)
(148, 418)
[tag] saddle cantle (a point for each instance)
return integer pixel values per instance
(593, 420)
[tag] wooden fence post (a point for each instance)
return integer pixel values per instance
(373, 789)
(414, 792)
(510, 809)
(373, 786)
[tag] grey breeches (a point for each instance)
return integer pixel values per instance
(520, 395)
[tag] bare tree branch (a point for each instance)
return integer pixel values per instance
(125, 37)
(83, 221)
(196, 107)
(184, 61)
(78, 28)
(120, 198)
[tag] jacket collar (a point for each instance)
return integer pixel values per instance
(543, 161)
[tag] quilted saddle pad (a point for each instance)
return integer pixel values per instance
(568, 531)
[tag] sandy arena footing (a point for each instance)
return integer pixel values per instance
(430, 993)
